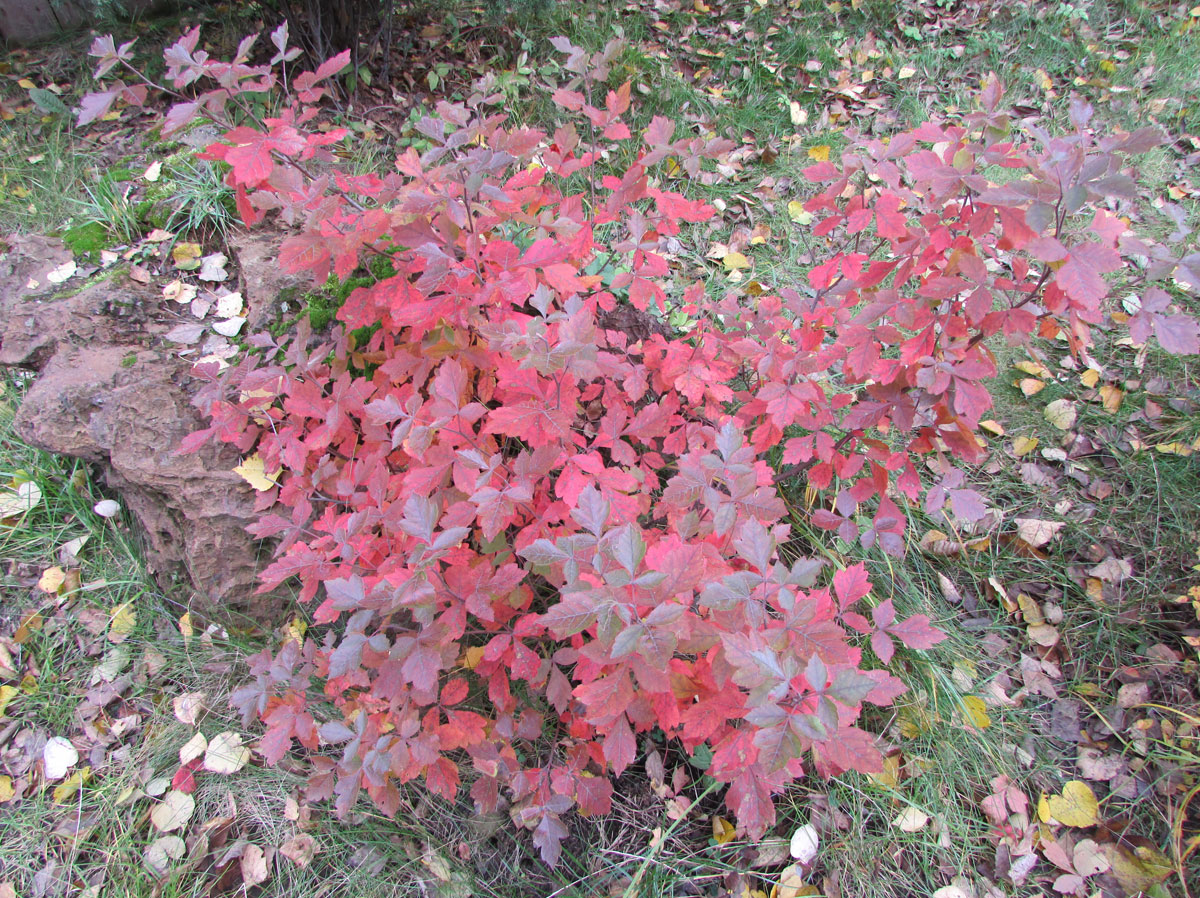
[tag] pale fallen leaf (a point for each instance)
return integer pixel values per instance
(819, 153)
(18, 500)
(153, 171)
(107, 508)
(229, 327)
(805, 843)
(63, 272)
(1061, 413)
(173, 811)
(188, 706)
(58, 756)
(52, 579)
(229, 305)
(185, 333)
(1090, 859)
(178, 291)
(299, 849)
(115, 660)
(226, 754)
(1037, 532)
(193, 748)
(6, 789)
(212, 267)
(910, 820)
(254, 866)
(1112, 570)
(162, 851)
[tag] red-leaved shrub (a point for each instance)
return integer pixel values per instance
(535, 520)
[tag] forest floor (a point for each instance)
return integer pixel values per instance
(1066, 693)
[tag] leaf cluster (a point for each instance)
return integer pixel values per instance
(537, 522)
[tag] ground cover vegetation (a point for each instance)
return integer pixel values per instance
(657, 442)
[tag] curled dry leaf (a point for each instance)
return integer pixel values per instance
(188, 706)
(299, 849)
(254, 867)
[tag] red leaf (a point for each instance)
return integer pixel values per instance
(851, 584)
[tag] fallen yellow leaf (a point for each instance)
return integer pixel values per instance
(122, 620)
(1111, 397)
(798, 214)
(819, 153)
(187, 255)
(1033, 369)
(976, 712)
(7, 694)
(1061, 413)
(1076, 806)
(1030, 386)
(735, 261)
(1022, 446)
(6, 789)
(52, 579)
(722, 830)
(253, 471)
(66, 790)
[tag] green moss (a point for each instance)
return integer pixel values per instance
(87, 239)
(129, 361)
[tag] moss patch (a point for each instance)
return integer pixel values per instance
(87, 239)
